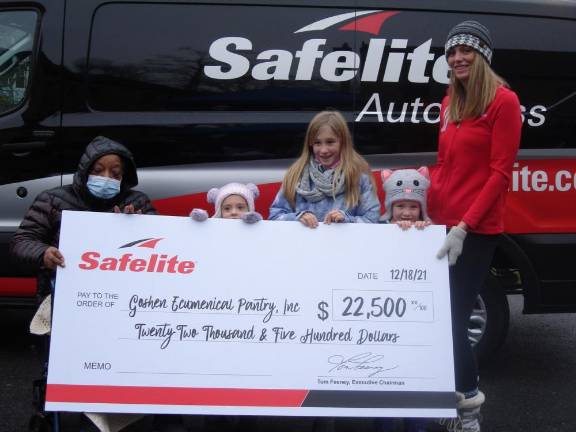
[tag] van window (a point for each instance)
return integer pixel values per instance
(214, 82)
(16, 42)
(182, 57)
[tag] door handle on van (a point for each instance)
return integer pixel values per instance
(19, 147)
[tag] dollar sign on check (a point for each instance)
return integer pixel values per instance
(322, 306)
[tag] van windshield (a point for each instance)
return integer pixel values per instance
(16, 43)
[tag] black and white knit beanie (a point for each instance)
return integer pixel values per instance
(472, 34)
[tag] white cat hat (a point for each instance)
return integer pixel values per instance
(247, 191)
(405, 184)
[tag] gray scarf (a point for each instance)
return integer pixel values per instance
(317, 182)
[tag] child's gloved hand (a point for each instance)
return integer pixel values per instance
(251, 217)
(199, 215)
(452, 245)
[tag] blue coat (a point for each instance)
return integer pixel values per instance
(367, 210)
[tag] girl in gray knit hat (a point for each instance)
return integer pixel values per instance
(405, 201)
(405, 206)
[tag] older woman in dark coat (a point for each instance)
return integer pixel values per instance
(103, 183)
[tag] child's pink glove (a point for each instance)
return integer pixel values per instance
(251, 217)
(199, 215)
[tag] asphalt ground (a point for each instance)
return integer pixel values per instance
(19, 363)
(530, 384)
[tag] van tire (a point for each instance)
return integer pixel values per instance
(489, 321)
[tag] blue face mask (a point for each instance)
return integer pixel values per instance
(103, 187)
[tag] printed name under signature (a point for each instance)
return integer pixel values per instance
(367, 362)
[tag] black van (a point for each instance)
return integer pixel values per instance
(204, 93)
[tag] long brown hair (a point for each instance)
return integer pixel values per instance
(351, 164)
(470, 99)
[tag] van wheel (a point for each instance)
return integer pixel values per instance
(489, 320)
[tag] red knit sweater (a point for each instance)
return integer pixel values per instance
(474, 166)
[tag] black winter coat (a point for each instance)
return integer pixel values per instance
(41, 225)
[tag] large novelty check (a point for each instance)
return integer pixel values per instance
(159, 314)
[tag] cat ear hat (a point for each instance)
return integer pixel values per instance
(405, 184)
(247, 191)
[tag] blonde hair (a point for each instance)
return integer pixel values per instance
(470, 99)
(351, 164)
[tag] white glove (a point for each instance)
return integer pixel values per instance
(251, 217)
(199, 215)
(452, 245)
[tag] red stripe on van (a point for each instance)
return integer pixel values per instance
(527, 211)
(174, 396)
(17, 287)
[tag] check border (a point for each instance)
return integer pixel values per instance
(132, 395)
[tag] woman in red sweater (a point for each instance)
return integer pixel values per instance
(479, 137)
